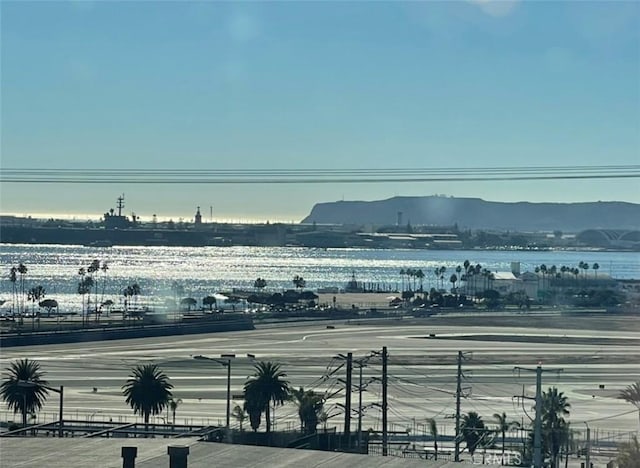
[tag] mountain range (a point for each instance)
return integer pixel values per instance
(475, 213)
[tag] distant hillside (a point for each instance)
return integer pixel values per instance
(474, 213)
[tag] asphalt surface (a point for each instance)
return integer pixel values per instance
(595, 365)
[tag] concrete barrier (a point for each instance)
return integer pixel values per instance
(76, 336)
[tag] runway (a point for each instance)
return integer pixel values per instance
(422, 370)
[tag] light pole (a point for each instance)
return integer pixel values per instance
(30, 384)
(225, 360)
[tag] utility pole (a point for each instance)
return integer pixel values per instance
(458, 392)
(360, 408)
(385, 435)
(537, 435)
(228, 366)
(537, 425)
(347, 402)
(461, 356)
(588, 448)
(361, 363)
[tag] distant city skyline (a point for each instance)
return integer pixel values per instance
(282, 85)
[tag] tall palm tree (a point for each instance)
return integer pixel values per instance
(147, 391)
(433, 429)
(596, 267)
(420, 276)
(24, 390)
(629, 453)
(543, 270)
(267, 385)
(473, 431)
(555, 407)
(34, 295)
(453, 280)
(13, 278)
(22, 270)
(631, 394)
(310, 405)
(135, 292)
(254, 403)
(402, 273)
(104, 268)
(173, 406)
(504, 426)
(84, 287)
(92, 270)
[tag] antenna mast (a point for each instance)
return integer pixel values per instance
(120, 204)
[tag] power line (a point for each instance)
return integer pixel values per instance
(609, 417)
(314, 176)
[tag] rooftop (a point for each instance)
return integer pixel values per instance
(80, 452)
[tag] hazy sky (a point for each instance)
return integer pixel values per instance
(205, 85)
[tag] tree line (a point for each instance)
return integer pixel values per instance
(149, 391)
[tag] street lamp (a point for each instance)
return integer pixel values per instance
(30, 384)
(225, 360)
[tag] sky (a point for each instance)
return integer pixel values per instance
(314, 85)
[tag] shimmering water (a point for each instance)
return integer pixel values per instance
(204, 270)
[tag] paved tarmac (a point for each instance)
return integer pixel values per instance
(422, 370)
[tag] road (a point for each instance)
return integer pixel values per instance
(422, 370)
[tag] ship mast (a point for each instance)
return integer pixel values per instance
(120, 204)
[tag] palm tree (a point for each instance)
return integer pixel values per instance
(433, 429)
(173, 406)
(135, 292)
(239, 414)
(147, 391)
(105, 269)
(473, 431)
(596, 267)
(543, 270)
(453, 280)
(267, 385)
(94, 268)
(504, 426)
(253, 405)
(310, 405)
(629, 453)
(24, 390)
(554, 427)
(13, 277)
(22, 269)
(420, 276)
(84, 286)
(34, 295)
(411, 274)
(631, 394)
(436, 272)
